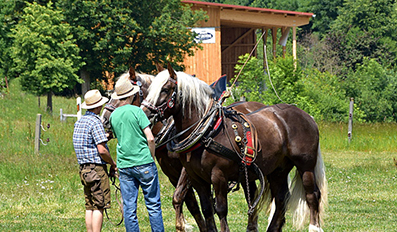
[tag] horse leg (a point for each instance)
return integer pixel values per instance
(192, 206)
(313, 199)
(252, 217)
(177, 200)
(220, 187)
(184, 192)
(207, 207)
(278, 180)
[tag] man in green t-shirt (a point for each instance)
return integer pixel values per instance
(135, 158)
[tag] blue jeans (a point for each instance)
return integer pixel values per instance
(145, 176)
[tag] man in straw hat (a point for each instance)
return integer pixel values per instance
(89, 141)
(135, 158)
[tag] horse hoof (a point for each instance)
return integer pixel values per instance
(313, 228)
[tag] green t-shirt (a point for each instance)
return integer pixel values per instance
(127, 123)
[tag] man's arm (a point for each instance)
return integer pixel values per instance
(150, 140)
(104, 153)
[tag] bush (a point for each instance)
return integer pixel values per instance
(374, 90)
(318, 93)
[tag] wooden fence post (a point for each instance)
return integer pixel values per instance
(37, 134)
(78, 101)
(350, 127)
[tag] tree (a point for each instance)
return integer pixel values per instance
(44, 51)
(374, 90)
(368, 28)
(115, 35)
(84, 18)
(146, 32)
(292, 5)
(325, 13)
(9, 14)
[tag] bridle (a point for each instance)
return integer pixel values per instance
(169, 104)
(110, 107)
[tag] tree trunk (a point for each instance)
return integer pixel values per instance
(85, 75)
(49, 102)
(6, 83)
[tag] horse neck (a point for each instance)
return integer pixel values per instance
(183, 121)
(137, 100)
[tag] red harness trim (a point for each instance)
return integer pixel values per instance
(249, 150)
(161, 148)
(197, 145)
(218, 123)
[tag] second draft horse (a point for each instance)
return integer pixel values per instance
(272, 138)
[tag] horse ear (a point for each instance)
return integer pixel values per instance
(159, 67)
(132, 74)
(171, 72)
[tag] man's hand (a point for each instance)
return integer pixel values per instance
(109, 135)
(113, 171)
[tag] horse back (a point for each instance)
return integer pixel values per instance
(283, 131)
(294, 121)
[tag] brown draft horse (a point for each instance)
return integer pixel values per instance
(169, 163)
(287, 137)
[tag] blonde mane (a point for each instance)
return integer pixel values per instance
(192, 91)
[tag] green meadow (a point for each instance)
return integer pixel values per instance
(42, 192)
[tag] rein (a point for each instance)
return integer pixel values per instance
(179, 134)
(113, 180)
(245, 63)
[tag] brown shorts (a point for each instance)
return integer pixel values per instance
(95, 180)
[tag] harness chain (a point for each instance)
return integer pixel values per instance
(245, 164)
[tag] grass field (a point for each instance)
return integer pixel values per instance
(43, 193)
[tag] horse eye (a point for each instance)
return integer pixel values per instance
(165, 91)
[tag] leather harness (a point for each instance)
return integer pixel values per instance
(208, 128)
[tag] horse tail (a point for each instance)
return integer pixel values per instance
(321, 181)
(264, 200)
(297, 201)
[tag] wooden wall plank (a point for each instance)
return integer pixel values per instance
(206, 63)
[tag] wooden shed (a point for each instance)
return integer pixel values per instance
(230, 32)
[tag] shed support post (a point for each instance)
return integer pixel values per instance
(294, 42)
(274, 36)
(264, 30)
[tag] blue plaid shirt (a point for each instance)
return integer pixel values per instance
(88, 132)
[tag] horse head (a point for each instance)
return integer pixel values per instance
(140, 79)
(175, 92)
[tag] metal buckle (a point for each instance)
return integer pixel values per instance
(247, 154)
(208, 142)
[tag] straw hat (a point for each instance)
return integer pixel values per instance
(93, 99)
(124, 88)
